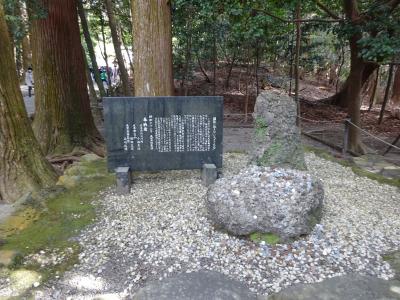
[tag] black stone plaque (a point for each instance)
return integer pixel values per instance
(163, 133)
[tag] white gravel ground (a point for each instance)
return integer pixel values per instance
(161, 229)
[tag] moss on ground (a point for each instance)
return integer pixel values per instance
(356, 169)
(269, 238)
(62, 216)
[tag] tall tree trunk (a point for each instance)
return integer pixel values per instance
(355, 81)
(340, 98)
(89, 44)
(395, 101)
(126, 86)
(354, 96)
(387, 93)
(23, 168)
(63, 118)
(152, 47)
(372, 100)
(341, 59)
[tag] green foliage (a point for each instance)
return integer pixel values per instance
(379, 32)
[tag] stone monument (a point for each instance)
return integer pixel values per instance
(274, 195)
(277, 139)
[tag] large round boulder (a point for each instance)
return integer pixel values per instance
(283, 202)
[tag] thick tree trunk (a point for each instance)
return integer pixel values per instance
(358, 76)
(354, 100)
(126, 86)
(23, 168)
(340, 98)
(152, 47)
(63, 117)
(89, 44)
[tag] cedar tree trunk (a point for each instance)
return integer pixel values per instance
(152, 47)
(23, 168)
(63, 119)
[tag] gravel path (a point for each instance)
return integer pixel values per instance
(161, 228)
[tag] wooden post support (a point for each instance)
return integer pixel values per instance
(124, 180)
(346, 136)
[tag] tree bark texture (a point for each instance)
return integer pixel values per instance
(23, 168)
(352, 95)
(63, 119)
(90, 47)
(340, 98)
(126, 86)
(152, 47)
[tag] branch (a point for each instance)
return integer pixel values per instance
(326, 9)
(316, 21)
(298, 20)
(272, 15)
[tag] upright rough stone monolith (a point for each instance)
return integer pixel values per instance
(277, 139)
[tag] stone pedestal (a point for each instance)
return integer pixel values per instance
(124, 180)
(209, 174)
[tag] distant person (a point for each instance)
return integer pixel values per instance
(29, 80)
